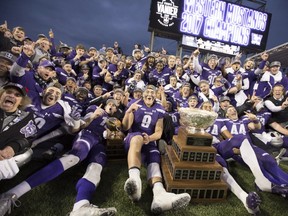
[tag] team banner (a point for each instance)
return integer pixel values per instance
(212, 20)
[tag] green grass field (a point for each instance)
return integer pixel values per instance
(57, 197)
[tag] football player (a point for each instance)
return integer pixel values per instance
(89, 143)
(144, 120)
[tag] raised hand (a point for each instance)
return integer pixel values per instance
(264, 56)
(196, 52)
(134, 106)
(98, 112)
(75, 114)
(28, 49)
(51, 34)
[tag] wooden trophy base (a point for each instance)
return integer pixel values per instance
(187, 170)
(200, 191)
(191, 153)
(115, 149)
(199, 138)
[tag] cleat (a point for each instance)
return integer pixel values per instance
(162, 146)
(133, 188)
(90, 209)
(7, 202)
(169, 201)
(252, 203)
(282, 190)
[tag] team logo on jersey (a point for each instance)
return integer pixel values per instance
(167, 11)
(29, 129)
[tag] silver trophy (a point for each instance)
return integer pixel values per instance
(196, 120)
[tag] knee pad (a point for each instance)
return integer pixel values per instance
(93, 173)
(69, 161)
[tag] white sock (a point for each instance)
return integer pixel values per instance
(233, 186)
(158, 188)
(134, 173)
(249, 157)
(79, 204)
(20, 189)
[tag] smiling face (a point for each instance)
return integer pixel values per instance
(212, 63)
(231, 113)
(204, 88)
(10, 99)
(110, 108)
(46, 72)
(51, 96)
(18, 34)
(149, 96)
(185, 91)
(5, 65)
(173, 81)
(278, 92)
(274, 70)
(249, 65)
(81, 95)
(207, 106)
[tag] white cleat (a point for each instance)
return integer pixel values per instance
(7, 202)
(89, 210)
(133, 188)
(169, 201)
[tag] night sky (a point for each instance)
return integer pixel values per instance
(97, 22)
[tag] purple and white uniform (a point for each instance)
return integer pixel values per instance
(145, 119)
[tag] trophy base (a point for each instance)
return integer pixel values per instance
(195, 137)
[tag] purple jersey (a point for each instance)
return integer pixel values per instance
(163, 77)
(180, 100)
(216, 129)
(238, 127)
(210, 74)
(47, 118)
(145, 118)
(97, 125)
(175, 116)
(263, 116)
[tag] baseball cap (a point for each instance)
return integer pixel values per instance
(92, 48)
(63, 45)
(8, 56)
(83, 89)
(109, 48)
(119, 90)
(111, 101)
(41, 36)
(213, 56)
(275, 63)
(137, 50)
(28, 38)
(138, 90)
(193, 97)
(224, 98)
(150, 87)
(186, 57)
(85, 66)
(56, 85)
(17, 86)
(236, 61)
(71, 78)
(47, 63)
